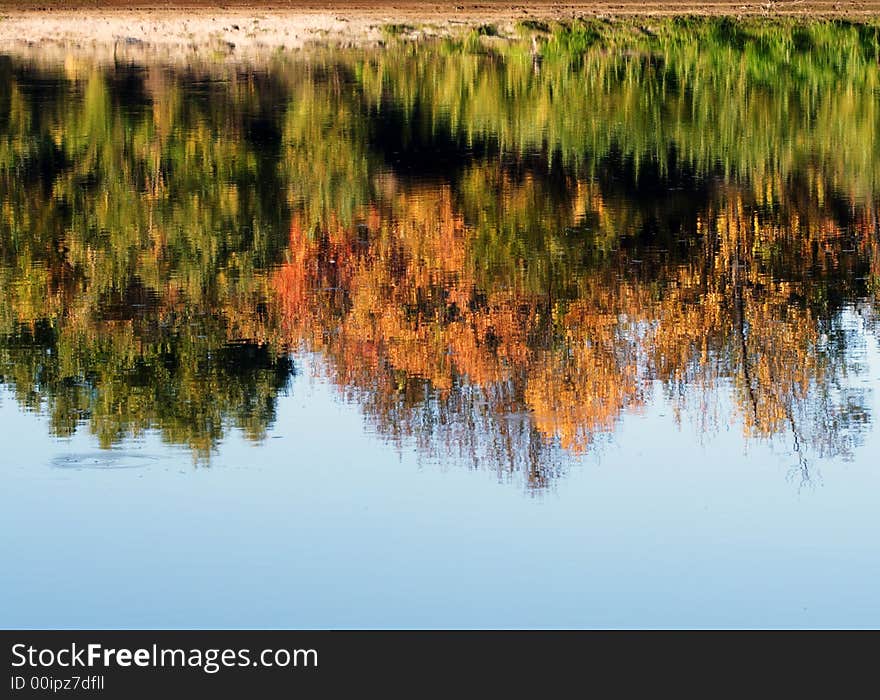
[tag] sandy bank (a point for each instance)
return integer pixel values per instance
(239, 30)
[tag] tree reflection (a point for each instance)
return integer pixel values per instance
(496, 264)
(410, 324)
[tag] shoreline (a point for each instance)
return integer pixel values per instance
(240, 32)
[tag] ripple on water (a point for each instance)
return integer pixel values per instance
(111, 459)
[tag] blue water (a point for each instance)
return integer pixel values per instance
(512, 334)
(324, 524)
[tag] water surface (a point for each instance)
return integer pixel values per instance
(577, 330)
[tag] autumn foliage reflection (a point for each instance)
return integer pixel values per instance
(498, 250)
(409, 321)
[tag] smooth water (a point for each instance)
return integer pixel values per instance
(573, 332)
